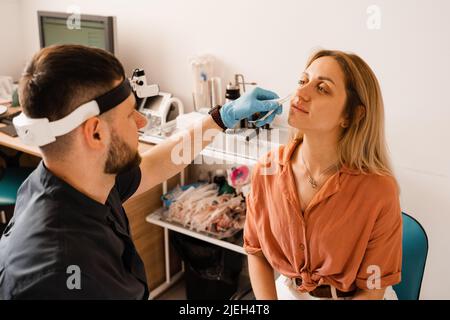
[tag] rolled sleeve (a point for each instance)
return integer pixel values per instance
(382, 260)
(252, 243)
(251, 240)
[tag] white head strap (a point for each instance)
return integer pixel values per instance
(40, 131)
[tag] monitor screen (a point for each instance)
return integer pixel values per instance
(153, 103)
(93, 31)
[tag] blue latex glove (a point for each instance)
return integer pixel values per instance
(255, 101)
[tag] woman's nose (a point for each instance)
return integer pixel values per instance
(303, 93)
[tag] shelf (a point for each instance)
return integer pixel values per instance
(233, 148)
(229, 158)
(155, 218)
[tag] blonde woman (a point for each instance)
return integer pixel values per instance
(328, 219)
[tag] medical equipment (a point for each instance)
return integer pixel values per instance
(280, 101)
(159, 109)
(202, 208)
(242, 82)
(202, 72)
(239, 176)
(139, 84)
(216, 91)
(233, 92)
(42, 131)
(155, 105)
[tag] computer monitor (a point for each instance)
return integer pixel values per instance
(93, 31)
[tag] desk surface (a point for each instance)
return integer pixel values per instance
(15, 143)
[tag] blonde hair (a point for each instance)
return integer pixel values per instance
(362, 143)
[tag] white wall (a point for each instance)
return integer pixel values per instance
(269, 41)
(12, 55)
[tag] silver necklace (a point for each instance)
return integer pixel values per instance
(313, 182)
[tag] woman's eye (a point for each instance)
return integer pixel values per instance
(321, 89)
(301, 82)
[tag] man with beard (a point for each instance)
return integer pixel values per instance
(69, 237)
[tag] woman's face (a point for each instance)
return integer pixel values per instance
(318, 103)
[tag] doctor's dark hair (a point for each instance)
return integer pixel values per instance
(60, 78)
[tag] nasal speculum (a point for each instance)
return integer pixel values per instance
(280, 101)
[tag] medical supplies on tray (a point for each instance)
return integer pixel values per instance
(200, 207)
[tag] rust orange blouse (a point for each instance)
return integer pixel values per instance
(350, 235)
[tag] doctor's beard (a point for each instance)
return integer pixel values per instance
(121, 157)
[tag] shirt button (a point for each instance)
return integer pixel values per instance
(302, 246)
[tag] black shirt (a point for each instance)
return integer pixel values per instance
(61, 244)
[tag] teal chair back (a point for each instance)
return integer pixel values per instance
(414, 256)
(10, 181)
(11, 178)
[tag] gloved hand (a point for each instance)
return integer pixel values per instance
(255, 101)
